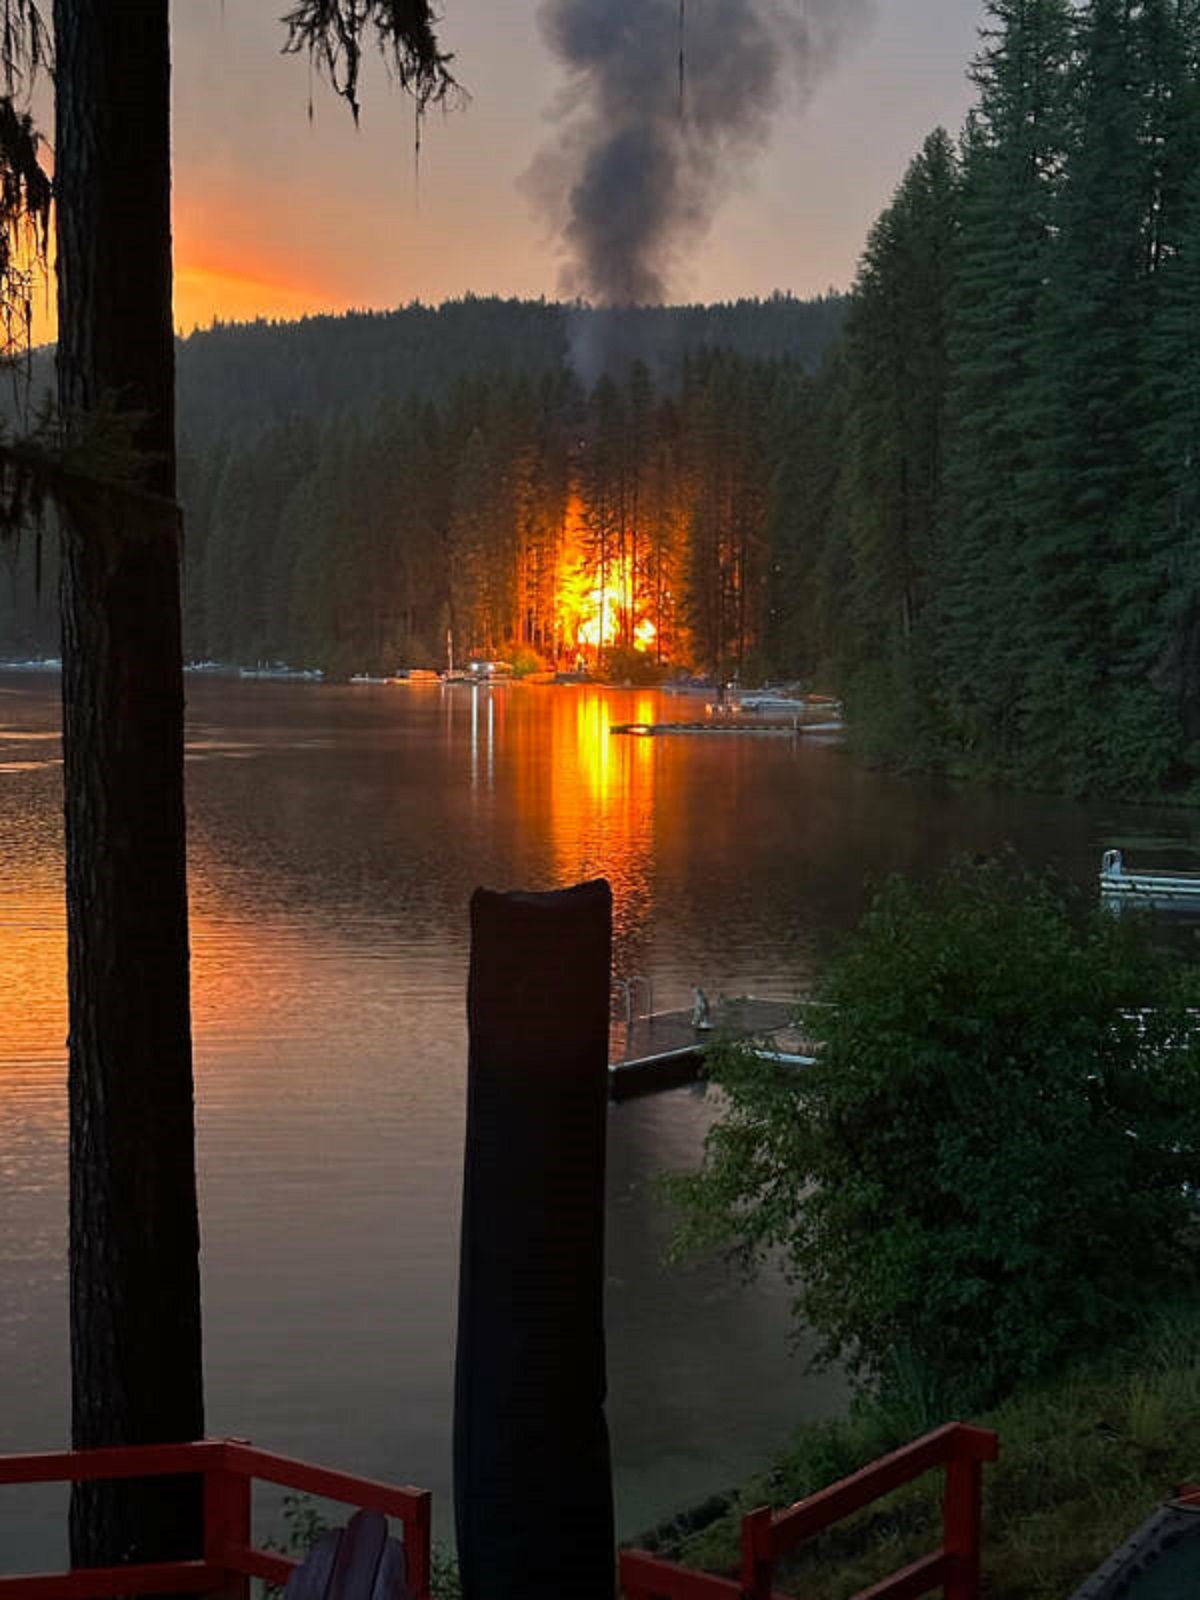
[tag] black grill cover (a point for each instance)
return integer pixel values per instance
(532, 1476)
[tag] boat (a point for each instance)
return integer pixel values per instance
(43, 664)
(414, 675)
(772, 702)
(280, 669)
(481, 671)
(775, 703)
(1152, 891)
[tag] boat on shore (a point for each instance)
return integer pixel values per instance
(1151, 891)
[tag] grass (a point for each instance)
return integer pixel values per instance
(1084, 1458)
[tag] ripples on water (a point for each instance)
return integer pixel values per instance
(335, 838)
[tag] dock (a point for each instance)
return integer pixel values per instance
(663, 1050)
(728, 725)
(1121, 889)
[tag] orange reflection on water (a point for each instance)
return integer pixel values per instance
(33, 981)
(33, 977)
(601, 802)
(616, 768)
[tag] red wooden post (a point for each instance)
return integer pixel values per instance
(757, 1562)
(418, 1551)
(963, 1523)
(227, 1526)
(628, 1585)
(646, 1577)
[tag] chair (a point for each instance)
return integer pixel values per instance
(357, 1562)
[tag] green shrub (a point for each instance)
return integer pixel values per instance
(994, 1163)
(524, 660)
(624, 664)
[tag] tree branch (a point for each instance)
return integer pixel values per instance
(25, 44)
(332, 31)
(25, 195)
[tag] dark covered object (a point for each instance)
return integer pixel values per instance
(1160, 1561)
(532, 1478)
(358, 1562)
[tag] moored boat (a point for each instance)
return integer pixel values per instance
(480, 671)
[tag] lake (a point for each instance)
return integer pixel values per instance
(336, 834)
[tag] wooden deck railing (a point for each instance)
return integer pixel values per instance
(229, 1468)
(767, 1535)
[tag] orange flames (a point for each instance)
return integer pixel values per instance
(596, 610)
(594, 616)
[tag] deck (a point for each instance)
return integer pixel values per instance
(663, 1050)
(230, 1559)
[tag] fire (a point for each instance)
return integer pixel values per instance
(593, 616)
(595, 611)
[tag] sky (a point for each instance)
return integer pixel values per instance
(278, 216)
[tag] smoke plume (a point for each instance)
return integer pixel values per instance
(667, 103)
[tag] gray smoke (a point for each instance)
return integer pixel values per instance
(637, 164)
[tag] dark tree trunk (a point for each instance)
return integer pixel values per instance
(134, 1239)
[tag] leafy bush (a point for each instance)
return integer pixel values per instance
(524, 660)
(624, 664)
(995, 1162)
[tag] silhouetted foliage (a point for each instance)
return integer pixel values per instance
(331, 32)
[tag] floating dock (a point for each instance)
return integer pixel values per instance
(1121, 889)
(664, 1049)
(758, 725)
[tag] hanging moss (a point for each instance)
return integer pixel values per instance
(332, 34)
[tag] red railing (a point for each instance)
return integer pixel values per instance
(229, 1468)
(767, 1535)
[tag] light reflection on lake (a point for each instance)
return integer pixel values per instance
(335, 837)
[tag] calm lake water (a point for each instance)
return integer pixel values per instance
(336, 836)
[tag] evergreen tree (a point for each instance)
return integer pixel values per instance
(897, 370)
(807, 583)
(1012, 169)
(1172, 445)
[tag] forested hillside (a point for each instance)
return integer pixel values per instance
(245, 377)
(506, 473)
(519, 513)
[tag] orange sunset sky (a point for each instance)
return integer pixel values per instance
(277, 217)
